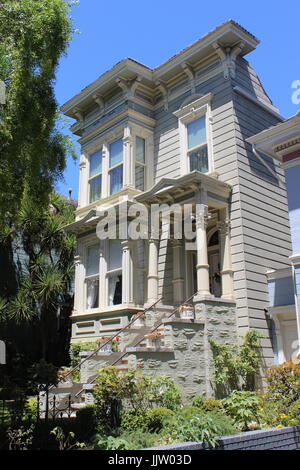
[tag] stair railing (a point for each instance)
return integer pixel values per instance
(111, 338)
(140, 340)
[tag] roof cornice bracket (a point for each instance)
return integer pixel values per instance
(129, 87)
(228, 57)
(189, 71)
(99, 100)
(165, 92)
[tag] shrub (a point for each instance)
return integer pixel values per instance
(236, 366)
(201, 427)
(134, 420)
(141, 439)
(157, 417)
(284, 383)
(244, 408)
(165, 393)
(86, 421)
(31, 408)
(198, 400)
(189, 411)
(210, 404)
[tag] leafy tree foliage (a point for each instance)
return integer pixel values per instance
(33, 36)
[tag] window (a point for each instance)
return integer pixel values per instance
(197, 145)
(116, 166)
(92, 277)
(195, 135)
(114, 273)
(140, 166)
(95, 176)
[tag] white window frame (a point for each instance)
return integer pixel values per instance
(187, 114)
(94, 176)
(88, 243)
(122, 132)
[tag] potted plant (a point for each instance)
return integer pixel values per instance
(186, 311)
(138, 319)
(153, 340)
(101, 341)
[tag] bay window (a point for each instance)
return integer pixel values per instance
(116, 166)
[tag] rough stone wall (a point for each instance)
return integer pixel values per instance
(186, 356)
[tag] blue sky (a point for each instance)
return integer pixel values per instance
(151, 32)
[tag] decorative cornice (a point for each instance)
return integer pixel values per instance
(189, 71)
(165, 93)
(228, 57)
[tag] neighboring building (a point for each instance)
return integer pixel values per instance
(177, 134)
(282, 143)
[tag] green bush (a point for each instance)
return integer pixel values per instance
(200, 427)
(211, 405)
(243, 407)
(31, 408)
(134, 420)
(86, 421)
(284, 383)
(198, 400)
(165, 393)
(157, 417)
(189, 411)
(141, 439)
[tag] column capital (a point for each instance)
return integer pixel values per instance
(224, 227)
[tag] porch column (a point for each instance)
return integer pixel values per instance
(201, 243)
(178, 280)
(79, 282)
(225, 252)
(102, 273)
(127, 271)
(152, 271)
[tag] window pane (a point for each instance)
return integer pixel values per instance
(199, 160)
(116, 179)
(92, 265)
(115, 289)
(96, 163)
(140, 150)
(115, 255)
(92, 296)
(139, 177)
(115, 153)
(196, 132)
(95, 189)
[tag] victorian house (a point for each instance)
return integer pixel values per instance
(177, 135)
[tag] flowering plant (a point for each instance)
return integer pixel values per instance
(154, 335)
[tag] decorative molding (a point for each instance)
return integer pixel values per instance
(99, 100)
(228, 57)
(189, 71)
(129, 86)
(165, 93)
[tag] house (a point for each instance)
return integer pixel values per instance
(282, 143)
(177, 136)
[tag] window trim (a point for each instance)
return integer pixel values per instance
(186, 114)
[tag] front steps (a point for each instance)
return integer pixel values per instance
(183, 353)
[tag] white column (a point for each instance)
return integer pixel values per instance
(102, 274)
(79, 282)
(128, 157)
(127, 272)
(152, 271)
(225, 253)
(83, 182)
(178, 280)
(201, 242)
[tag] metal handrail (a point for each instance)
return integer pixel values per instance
(140, 340)
(106, 342)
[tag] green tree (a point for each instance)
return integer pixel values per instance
(34, 34)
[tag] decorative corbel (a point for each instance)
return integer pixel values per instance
(127, 86)
(99, 101)
(228, 57)
(189, 71)
(164, 91)
(79, 115)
